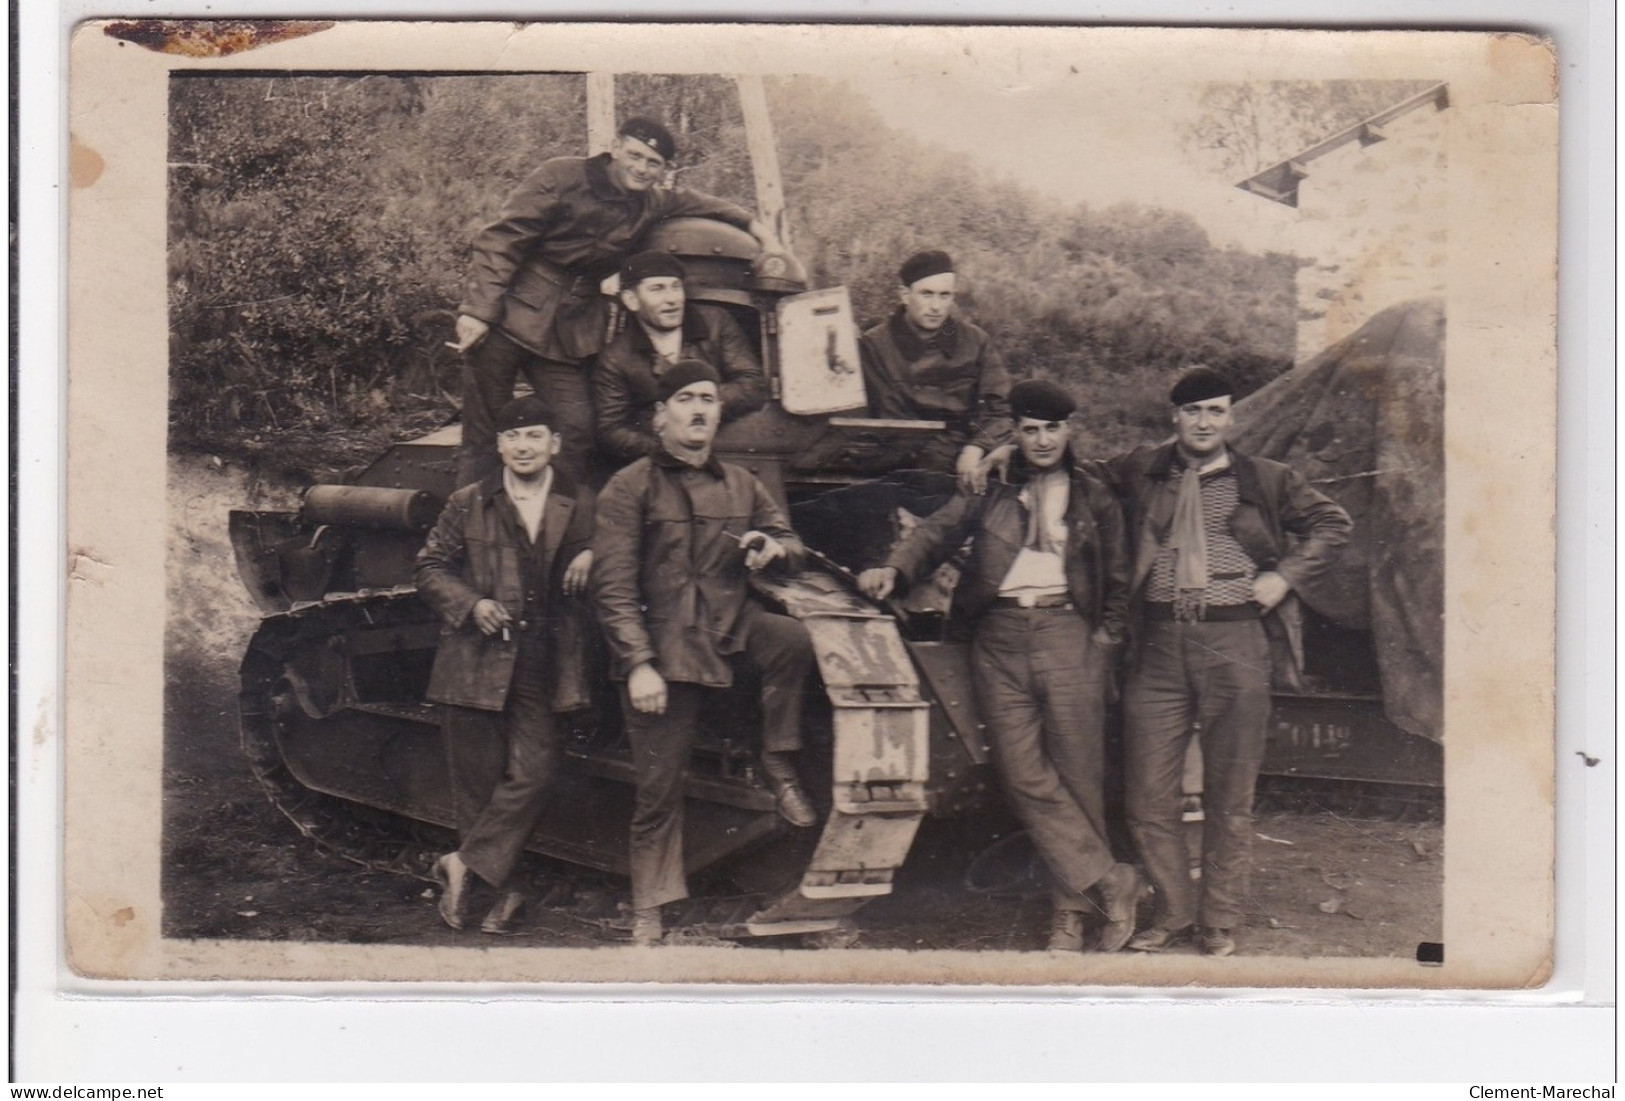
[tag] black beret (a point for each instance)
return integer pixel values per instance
(1200, 384)
(923, 265)
(686, 372)
(649, 265)
(524, 412)
(650, 133)
(1042, 399)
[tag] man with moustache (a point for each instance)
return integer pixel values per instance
(1221, 541)
(665, 328)
(531, 302)
(1045, 588)
(502, 569)
(924, 363)
(677, 537)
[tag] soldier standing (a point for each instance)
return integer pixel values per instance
(502, 568)
(1221, 541)
(1046, 587)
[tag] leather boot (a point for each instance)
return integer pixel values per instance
(794, 805)
(505, 914)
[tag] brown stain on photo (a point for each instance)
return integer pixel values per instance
(211, 37)
(105, 934)
(85, 165)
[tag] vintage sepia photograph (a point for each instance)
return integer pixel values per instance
(801, 519)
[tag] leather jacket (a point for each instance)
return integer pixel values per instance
(1096, 561)
(536, 269)
(1281, 521)
(959, 377)
(477, 550)
(668, 578)
(626, 386)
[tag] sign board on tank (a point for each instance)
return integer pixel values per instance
(818, 353)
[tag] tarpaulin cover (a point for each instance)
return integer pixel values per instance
(1364, 422)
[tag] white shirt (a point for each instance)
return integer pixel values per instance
(1037, 573)
(529, 502)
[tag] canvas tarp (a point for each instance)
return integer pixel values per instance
(1364, 422)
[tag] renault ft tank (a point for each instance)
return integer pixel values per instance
(332, 702)
(335, 723)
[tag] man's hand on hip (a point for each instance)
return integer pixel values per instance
(1269, 589)
(470, 331)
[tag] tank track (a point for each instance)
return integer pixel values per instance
(881, 762)
(375, 840)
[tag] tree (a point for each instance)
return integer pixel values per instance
(1245, 127)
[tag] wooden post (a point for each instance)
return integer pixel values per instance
(600, 112)
(764, 155)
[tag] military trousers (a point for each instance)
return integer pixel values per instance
(489, 371)
(501, 764)
(1216, 674)
(780, 650)
(1040, 684)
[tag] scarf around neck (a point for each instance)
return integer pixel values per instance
(1188, 540)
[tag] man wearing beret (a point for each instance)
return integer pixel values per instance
(1045, 589)
(664, 330)
(531, 303)
(924, 363)
(502, 569)
(678, 535)
(1221, 541)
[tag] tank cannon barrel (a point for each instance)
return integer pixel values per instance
(376, 507)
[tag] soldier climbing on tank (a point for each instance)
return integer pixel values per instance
(503, 568)
(1045, 589)
(665, 328)
(678, 534)
(926, 363)
(531, 303)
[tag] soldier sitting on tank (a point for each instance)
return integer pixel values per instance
(678, 534)
(924, 363)
(1045, 589)
(531, 303)
(502, 568)
(665, 329)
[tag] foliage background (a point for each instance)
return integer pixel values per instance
(319, 229)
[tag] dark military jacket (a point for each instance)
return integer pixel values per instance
(626, 379)
(1282, 522)
(535, 270)
(479, 549)
(958, 377)
(1096, 561)
(668, 575)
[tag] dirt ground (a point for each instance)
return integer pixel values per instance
(1324, 884)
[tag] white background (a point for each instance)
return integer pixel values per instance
(1563, 1033)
